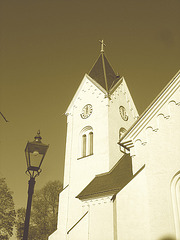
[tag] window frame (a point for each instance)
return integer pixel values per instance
(86, 142)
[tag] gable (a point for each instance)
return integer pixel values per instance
(85, 80)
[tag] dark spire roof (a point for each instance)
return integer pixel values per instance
(103, 73)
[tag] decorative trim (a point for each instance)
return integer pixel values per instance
(162, 114)
(176, 103)
(97, 200)
(154, 107)
(86, 80)
(154, 129)
(142, 143)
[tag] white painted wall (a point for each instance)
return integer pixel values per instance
(105, 121)
(132, 210)
(149, 204)
(120, 97)
(148, 207)
(80, 231)
(101, 222)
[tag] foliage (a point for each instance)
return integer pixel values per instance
(7, 212)
(20, 214)
(44, 213)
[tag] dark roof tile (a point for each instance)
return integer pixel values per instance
(111, 182)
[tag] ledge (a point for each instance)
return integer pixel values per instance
(85, 156)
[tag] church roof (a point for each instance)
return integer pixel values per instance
(152, 110)
(103, 73)
(111, 182)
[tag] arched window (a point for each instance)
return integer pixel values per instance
(90, 143)
(84, 145)
(121, 132)
(86, 142)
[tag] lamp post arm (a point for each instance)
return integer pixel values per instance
(28, 209)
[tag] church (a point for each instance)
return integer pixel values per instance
(122, 170)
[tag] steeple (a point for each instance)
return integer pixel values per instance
(102, 72)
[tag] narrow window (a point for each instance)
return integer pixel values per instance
(90, 143)
(84, 145)
(121, 132)
(85, 142)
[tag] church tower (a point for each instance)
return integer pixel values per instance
(100, 112)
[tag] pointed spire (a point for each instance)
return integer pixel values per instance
(103, 64)
(102, 72)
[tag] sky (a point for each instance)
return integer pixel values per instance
(46, 47)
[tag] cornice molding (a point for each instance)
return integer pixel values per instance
(153, 109)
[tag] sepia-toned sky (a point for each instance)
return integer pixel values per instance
(46, 47)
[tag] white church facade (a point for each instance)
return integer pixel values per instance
(122, 170)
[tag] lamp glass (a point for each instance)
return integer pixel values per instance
(35, 153)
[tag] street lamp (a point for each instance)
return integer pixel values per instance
(35, 152)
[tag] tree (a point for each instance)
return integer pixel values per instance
(20, 214)
(7, 211)
(44, 212)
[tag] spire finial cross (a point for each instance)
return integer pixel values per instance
(102, 45)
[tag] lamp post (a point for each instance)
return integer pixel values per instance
(35, 152)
